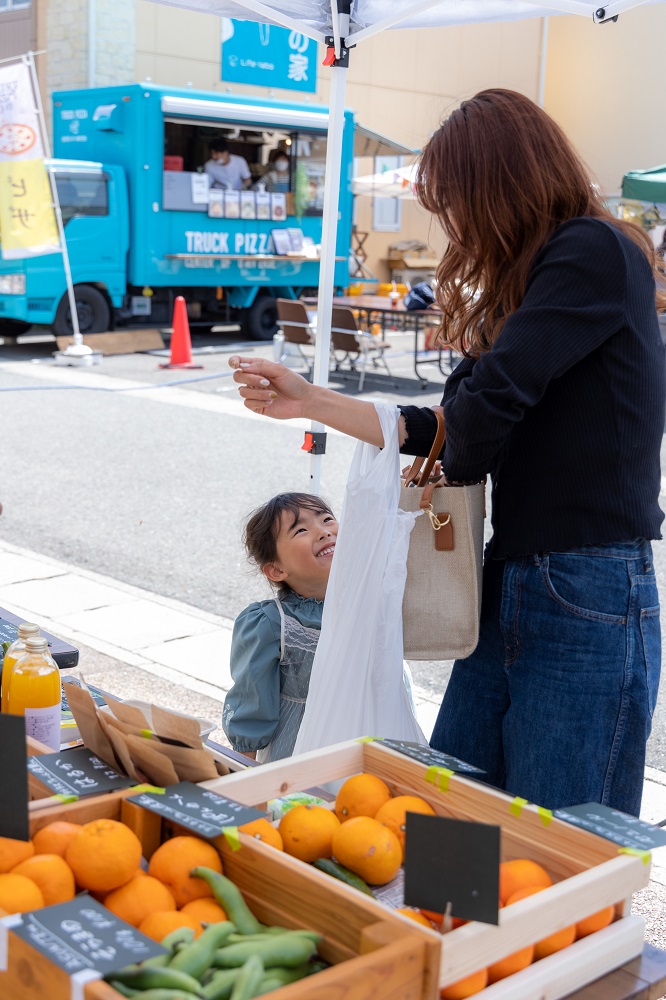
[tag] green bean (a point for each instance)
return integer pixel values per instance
(181, 935)
(276, 978)
(198, 956)
(221, 984)
(244, 938)
(162, 993)
(157, 961)
(245, 987)
(124, 991)
(143, 978)
(287, 950)
(230, 899)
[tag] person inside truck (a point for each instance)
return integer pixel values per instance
(276, 177)
(225, 169)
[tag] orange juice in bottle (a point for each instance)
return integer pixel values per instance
(13, 655)
(35, 692)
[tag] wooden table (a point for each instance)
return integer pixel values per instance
(378, 308)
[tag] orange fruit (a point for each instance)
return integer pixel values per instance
(103, 855)
(512, 963)
(393, 814)
(262, 830)
(140, 896)
(158, 925)
(51, 874)
(596, 922)
(415, 915)
(554, 942)
(19, 894)
(206, 911)
(369, 849)
(174, 860)
(466, 987)
(55, 837)
(307, 832)
(521, 874)
(13, 852)
(361, 795)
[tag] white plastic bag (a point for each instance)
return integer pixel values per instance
(357, 686)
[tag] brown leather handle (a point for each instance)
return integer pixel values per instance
(415, 474)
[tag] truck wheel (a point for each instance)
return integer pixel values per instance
(92, 309)
(13, 327)
(260, 320)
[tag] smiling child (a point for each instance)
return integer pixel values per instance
(292, 540)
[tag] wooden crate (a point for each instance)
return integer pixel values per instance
(590, 872)
(374, 953)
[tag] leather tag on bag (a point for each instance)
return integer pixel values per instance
(444, 537)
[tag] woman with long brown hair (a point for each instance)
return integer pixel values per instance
(560, 400)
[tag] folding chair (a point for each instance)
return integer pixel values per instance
(295, 324)
(347, 338)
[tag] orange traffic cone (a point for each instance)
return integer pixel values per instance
(181, 343)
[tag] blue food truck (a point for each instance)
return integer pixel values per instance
(145, 222)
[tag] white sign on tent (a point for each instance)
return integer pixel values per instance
(340, 24)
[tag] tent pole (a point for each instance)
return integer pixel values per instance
(336, 124)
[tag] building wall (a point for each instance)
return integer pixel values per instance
(17, 31)
(606, 86)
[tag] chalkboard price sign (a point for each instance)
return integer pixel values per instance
(76, 772)
(81, 935)
(203, 812)
(433, 757)
(628, 831)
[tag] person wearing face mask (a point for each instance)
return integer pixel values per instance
(276, 177)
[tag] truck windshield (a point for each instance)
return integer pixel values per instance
(80, 194)
(233, 158)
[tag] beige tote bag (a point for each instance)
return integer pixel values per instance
(442, 602)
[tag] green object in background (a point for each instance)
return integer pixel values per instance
(645, 185)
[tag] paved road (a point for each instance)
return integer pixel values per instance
(151, 486)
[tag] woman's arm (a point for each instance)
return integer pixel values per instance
(275, 391)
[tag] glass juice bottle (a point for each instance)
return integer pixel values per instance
(35, 691)
(13, 655)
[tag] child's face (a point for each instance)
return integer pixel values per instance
(305, 547)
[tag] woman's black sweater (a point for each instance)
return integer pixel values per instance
(566, 411)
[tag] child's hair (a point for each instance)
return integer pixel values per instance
(261, 530)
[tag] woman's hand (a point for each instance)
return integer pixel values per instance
(270, 388)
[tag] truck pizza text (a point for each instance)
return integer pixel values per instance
(146, 220)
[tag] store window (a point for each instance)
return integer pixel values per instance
(14, 5)
(386, 212)
(82, 195)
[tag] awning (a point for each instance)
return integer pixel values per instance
(369, 143)
(251, 114)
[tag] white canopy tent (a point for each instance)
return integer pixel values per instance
(391, 183)
(343, 24)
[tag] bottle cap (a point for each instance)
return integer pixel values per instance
(26, 629)
(36, 644)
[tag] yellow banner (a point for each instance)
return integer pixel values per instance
(28, 225)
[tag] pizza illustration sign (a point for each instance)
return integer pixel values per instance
(20, 133)
(16, 139)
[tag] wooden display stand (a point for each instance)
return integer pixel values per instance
(592, 873)
(373, 952)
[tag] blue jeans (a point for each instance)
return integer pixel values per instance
(556, 701)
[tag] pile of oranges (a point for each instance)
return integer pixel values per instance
(518, 880)
(104, 858)
(365, 832)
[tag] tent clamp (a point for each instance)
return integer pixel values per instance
(315, 443)
(599, 17)
(330, 59)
